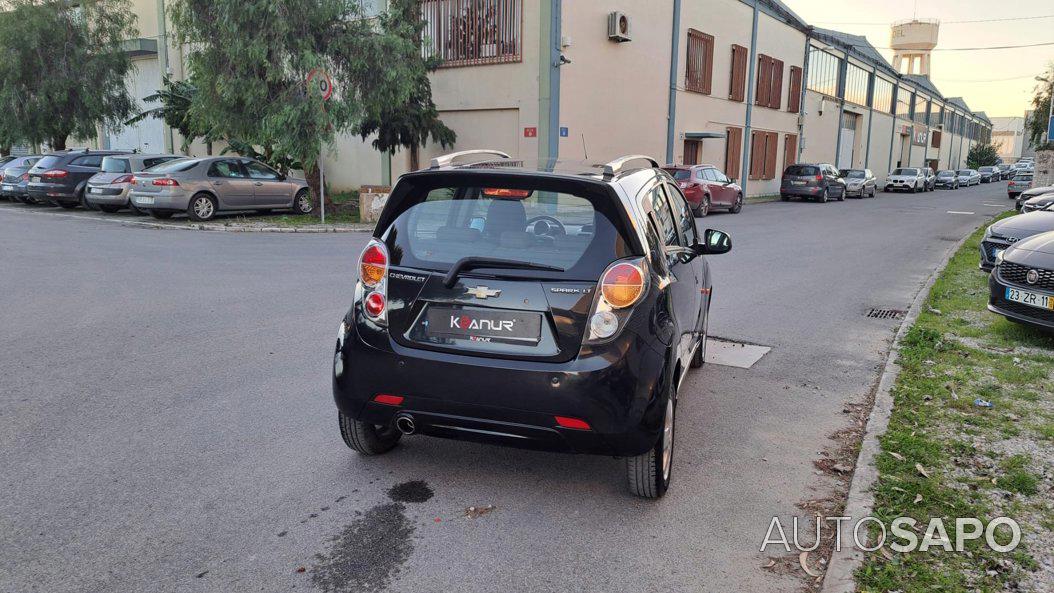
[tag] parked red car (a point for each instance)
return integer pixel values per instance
(706, 187)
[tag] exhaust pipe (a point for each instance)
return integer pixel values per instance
(404, 423)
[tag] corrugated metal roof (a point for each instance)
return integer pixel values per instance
(856, 45)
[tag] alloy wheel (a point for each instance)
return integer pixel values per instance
(303, 203)
(203, 207)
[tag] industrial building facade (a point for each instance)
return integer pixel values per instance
(742, 84)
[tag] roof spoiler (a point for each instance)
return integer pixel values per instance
(616, 166)
(448, 159)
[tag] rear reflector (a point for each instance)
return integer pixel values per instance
(572, 423)
(501, 192)
(389, 400)
(374, 304)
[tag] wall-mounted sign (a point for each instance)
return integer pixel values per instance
(565, 132)
(920, 136)
(531, 132)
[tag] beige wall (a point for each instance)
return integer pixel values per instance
(614, 96)
(821, 129)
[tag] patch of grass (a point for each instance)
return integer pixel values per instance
(294, 220)
(955, 353)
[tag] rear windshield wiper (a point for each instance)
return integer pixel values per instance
(472, 263)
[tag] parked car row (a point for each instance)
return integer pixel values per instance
(158, 184)
(1019, 253)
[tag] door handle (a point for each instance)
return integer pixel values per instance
(258, 183)
(217, 183)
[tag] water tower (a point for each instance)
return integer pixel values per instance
(912, 41)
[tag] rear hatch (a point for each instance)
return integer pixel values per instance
(560, 235)
(801, 176)
(144, 180)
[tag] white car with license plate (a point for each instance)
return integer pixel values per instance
(910, 179)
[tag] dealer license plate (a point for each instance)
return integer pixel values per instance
(484, 325)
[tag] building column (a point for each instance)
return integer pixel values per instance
(549, 81)
(671, 114)
(751, 84)
(842, 70)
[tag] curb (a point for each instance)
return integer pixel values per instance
(222, 228)
(860, 501)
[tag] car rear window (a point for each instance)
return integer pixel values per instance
(801, 171)
(527, 220)
(115, 165)
(680, 174)
(48, 162)
(176, 166)
(1023, 177)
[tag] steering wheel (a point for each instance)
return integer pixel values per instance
(546, 226)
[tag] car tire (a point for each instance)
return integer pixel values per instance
(302, 202)
(160, 214)
(841, 196)
(823, 197)
(108, 208)
(738, 206)
(202, 207)
(649, 473)
(704, 207)
(84, 203)
(367, 439)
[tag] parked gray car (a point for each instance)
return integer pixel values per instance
(1038, 198)
(109, 188)
(968, 177)
(14, 177)
(860, 183)
(1022, 284)
(201, 187)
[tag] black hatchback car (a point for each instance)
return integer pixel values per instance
(59, 178)
(1022, 283)
(554, 307)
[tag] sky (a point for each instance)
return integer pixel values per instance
(998, 82)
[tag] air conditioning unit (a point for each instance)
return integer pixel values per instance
(618, 27)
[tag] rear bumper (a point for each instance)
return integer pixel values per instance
(617, 390)
(804, 191)
(52, 192)
(1034, 316)
(159, 201)
(109, 196)
(12, 190)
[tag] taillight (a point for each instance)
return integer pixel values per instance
(124, 179)
(55, 173)
(622, 285)
(373, 270)
(24, 177)
(819, 178)
(166, 182)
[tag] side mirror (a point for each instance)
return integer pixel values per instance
(714, 243)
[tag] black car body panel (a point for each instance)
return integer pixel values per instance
(1004, 233)
(1027, 269)
(72, 169)
(505, 389)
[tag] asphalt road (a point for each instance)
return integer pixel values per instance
(166, 421)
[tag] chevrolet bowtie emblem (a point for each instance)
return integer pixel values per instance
(482, 292)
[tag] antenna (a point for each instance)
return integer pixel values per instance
(584, 150)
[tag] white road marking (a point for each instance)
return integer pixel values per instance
(996, 205)
(734, 354)
(957, 212)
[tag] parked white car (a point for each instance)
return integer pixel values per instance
(906, 179)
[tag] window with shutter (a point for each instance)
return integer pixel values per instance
(790, 150)
(733, 152)
(700, 66)
(794, 100)
(738, 78)
(776, 90)
(764, 81)
(771, 152)
(757, 154)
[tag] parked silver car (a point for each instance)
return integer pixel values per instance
(201, 187)
(968, 177)
(859, 182)
(109, 188)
